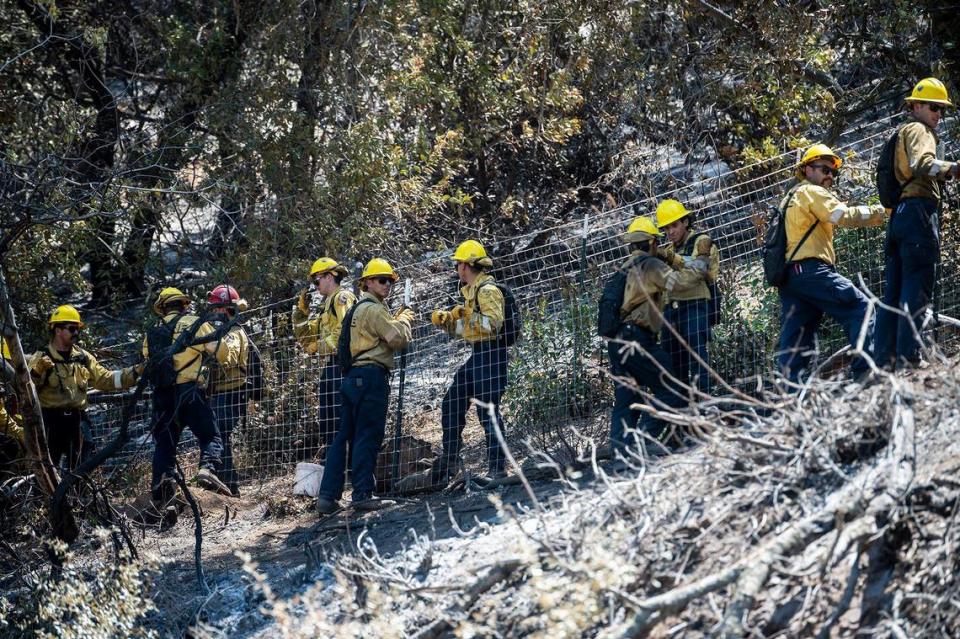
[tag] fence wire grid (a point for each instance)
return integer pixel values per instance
(557, 395)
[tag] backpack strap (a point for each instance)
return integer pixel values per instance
(785, 206)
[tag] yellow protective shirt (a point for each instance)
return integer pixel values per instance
(9, 424)
(483, 311)
(232, 371)
(691, 284)
(918, 161)
(64, 382)
(189, 361)
(643, 294)
(810, 203)
(375, 335)
(321, 334)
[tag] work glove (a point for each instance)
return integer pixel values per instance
(669, 255)
(439, 318)
(42, 365)
(406, 316)
(457, 312)
(703, 246)
(302, 303)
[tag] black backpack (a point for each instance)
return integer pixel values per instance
(611, 300)
(344, 358)
(888, 186)
(512, 322)
(774, 250)
(254, 372)
(161, 372)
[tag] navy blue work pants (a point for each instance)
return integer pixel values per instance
(689, 318)
(484, 377)
(229, 408)
(811, 289)
(365, 393)
(328, 399)
(173, 408)
(911, 249)
(644, 366)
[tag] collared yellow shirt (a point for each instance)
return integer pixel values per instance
(321, 334)
(918, 161)
(643, 298)
(65, 384)
(811, 203)
(691, 284)
(483, 311)
(375, 335)
(232, 371)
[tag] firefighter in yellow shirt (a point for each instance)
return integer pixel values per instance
(912, 245)
(688, 304)
(811, 285)
(228, 379)
(647, 279)
(62, 374)
(12, 449)
(179, 398)
(375, 335)
(478, 321)
(320, 335)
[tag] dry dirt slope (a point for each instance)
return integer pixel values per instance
(817, 516)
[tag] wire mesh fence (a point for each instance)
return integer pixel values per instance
(557, 395)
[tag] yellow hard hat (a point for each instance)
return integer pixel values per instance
(378, 266)
(669, 211)
(819, 152)
(930, 90)
(640, 230)
(167, 295)
(472, 252)
(325, 264)
(65, 314)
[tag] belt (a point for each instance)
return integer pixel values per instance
(679, 303)
(637, 327)
(810, 262)
(368, 362)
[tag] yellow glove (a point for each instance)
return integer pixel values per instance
(439, 318)
(669, 255)
(302, 302)
(406, 316)
(457, 312)
(703, 246)
(42, 365)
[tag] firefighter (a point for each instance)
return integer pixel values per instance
(812, 286)
(62, 374)
(688, 304)
(478, 321)
(179, 398)
(228, 379)
(12, 447)
(912, 246)
(375, 335)
(635, 351)
(320, 335)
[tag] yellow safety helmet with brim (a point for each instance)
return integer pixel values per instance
(166, 296)
(378, 266)
(641, 230)
(325, 265)
(65, 314)
(669, 211)
(930, 90)
(472, 252)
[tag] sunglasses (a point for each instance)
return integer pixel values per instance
(383, 281)
(316, 280)
(935, 108)
(73, 329)
(825, 169)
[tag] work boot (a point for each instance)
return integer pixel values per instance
(370, 503)
(327, 506)
(208, 480)
(164, 516)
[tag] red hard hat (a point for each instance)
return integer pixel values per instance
(223, 295)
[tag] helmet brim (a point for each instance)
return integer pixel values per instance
(947, 103)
